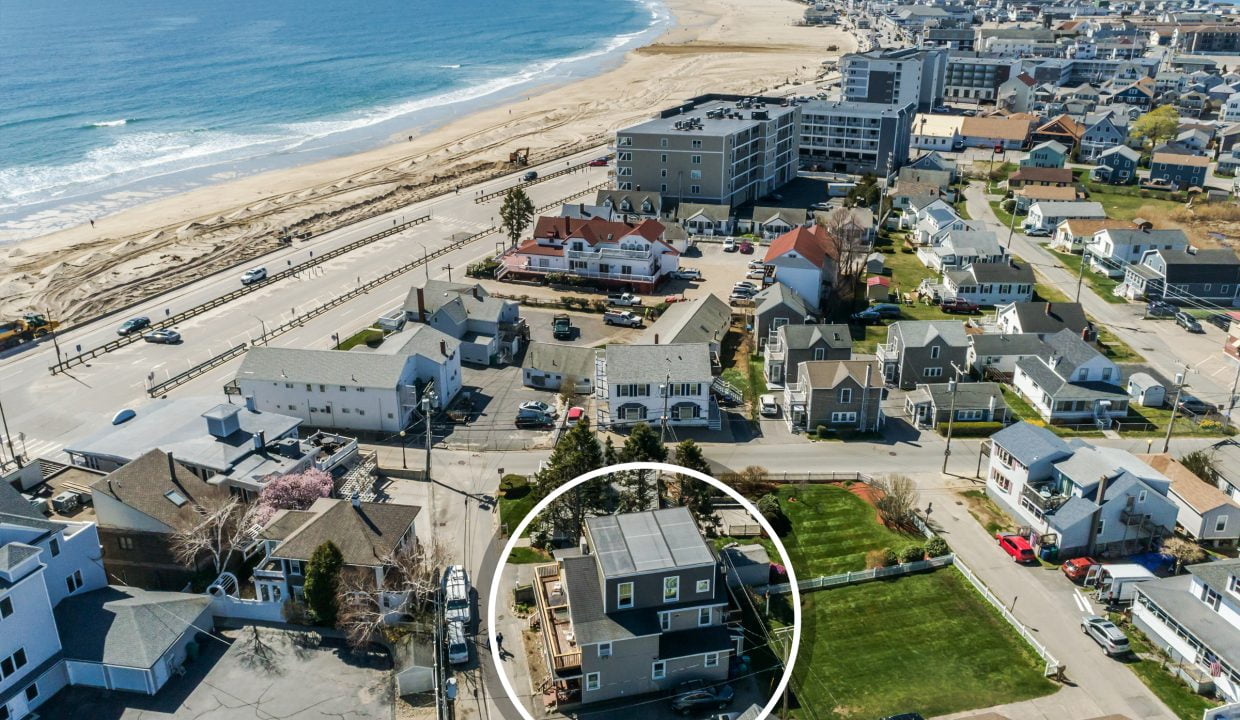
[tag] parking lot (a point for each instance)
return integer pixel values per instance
(287, 675)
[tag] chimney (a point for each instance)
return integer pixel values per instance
(260, 440)
(443, 347)
(172, 468)
(656, 338)
(251, 404)
(356, 500)
(477, 293)
(421, 306)
(583, 545)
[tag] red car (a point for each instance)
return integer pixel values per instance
(958, 305)
(1076, 568)
(746, 248)
(1017, 547)
(598, 162)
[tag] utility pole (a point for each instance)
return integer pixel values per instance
(1175, 406)
(448, 267)
(951, 416)
(1080, 275)
(55, 340)
(667, 392)
(1231, 401)
(426, 263)
(403, 462)
(8, 437)
(428, 400)
(1011, 223)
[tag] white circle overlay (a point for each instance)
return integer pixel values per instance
(516, 534)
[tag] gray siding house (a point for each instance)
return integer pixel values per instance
(795, 344)
(777, 304)
(922, 351)
(836, 394)
(1117, 165)
(638, 608)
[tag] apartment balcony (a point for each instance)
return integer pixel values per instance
(269, 570)
(887, 353)
(615, 253)
(562, 653)
(519, 264)
(1043, 497)
(1132, 518)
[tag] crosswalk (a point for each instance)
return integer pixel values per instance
(29, 448)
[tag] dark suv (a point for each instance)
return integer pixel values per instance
(695, 695)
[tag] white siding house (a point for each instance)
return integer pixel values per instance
(643, 383)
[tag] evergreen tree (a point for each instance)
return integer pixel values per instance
(577, 453)
(322, 580)
(695, 494)
(609, 452)
(516, 214)
(638, 489)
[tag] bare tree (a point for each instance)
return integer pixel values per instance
(411, 576)
(1185, 552)
(896, 499)
(220, 528)
(568, 389)
(844, 243)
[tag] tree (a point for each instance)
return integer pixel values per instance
(770, 508)
(411, 580)
(219, 528)
(639, 488)
(568, 390)
(696, 495)
(323, 581)
(516, 214)
(295, 491)
(1185, 552)
(896, 499)
(1157, 125)
(844, 244)
(1201, 464)
(751, 482)
(576, 454)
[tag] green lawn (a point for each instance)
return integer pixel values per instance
(923, 642)
(1003, 215)
(1123, 206)
(1101, 284)
(1049, 293)
(1185, 703)
(749, 380)
(833, 530)
(1019, 406)
(962, 209)
(515, 501)
(1114, 348)
(1159, 417)
(527, 556)
(371, 335)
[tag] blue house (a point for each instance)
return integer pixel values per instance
(1049, 154)
(1117, 165)
(1179, 171)
(1103, 131)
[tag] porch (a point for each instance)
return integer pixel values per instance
(563, 656)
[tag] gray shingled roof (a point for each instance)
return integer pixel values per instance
(352, 369)
(585, 606)
(148, 485)
(801, 337)
(652, 363)
(702, 320)
(1071, 350)
(1030, 443)
(14, 554)
(1048, 317)
(1050, 382)
(1074, 510)
(126, 626)
(993, 272)
(365, 535)
(969, 395)
(920, 333)
(778, 294)
(695, 642)
(1000, 344)
(1216, 573)
(15, 510)
(572, 360)
(1174, 597)
(1136, 236)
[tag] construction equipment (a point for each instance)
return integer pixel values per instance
(520, 156)
(25, 329)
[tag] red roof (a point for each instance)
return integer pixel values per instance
(810, 243)
(878, 280)
(595, 230)
(531, 247)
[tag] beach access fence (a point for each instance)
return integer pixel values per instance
(526, 183)
(83, 356)
(1052, 667)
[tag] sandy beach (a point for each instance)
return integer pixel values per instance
(746, 46)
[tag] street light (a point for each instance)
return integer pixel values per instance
(403, 462)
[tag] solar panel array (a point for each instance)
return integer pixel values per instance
(647, 541)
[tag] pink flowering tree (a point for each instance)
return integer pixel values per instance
(296, 491)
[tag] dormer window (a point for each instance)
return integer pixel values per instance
(1233, 582)
(626, 206)
(647, 207)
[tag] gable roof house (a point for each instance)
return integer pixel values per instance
(933, 220)
(994, 355)
(1063, 129)
(1179, 171)
(1117, 165)
(1072, 382)
(1077, 497)
(490, 330)
(938, 132)
(836, 395)
(959, 249)
(1046, 216)
(1206, 514)
(991, 283)
(631, 205)
(1185, 276)
(922, 351)
(1041, 317)
(1029, 194)
(930, 406)
(1103, 130)
(1073, 234)
(630, 386)
(794, 344)
(775, 305)
(705, 319)
(769, 222)
(1010, 133)
(1112, 250)
(1057, 177)
(705, 218)
(804, 260)
(611, 254)
(547, 366)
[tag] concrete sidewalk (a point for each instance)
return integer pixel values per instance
(1047, 603)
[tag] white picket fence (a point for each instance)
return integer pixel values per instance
(1052, 665)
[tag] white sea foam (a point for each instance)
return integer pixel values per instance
(457, 66)
(110, 123)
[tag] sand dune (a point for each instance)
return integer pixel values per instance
(82, 271)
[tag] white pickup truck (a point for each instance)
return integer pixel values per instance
(622, 318)
(624, 300)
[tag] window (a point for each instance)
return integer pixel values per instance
(935, 351)
(703, 586)
(933, 372)
(1102, 523)
(625, 141)
(695, 159)
(322, 388)
(1210, 596)
(624, 595)
(671, 588)
(604, 649)
(843, 417)
(703, 616)
(663, 173)
(665, 621)
(54, 546)
(592, 682)
(124, 543)
(6, 607)
(1219, 526)
(662, 142)
(845, 395)
(1141, 497)
(696, 144)
(697, 175)
(663, 159)
(820, 353)
(711, 660)
(32, 692)
(12, 663)
(658, 670)
(74, 581)
(1106, 373)
(695, 189)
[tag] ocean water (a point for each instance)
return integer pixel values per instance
(107, 104)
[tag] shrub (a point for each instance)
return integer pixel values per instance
(912, 553)
(599, 305)
(889, 557)
(937, 547)
(821, 430)
(971, 429)
(874, 559)
(322, 579)
(770, 508)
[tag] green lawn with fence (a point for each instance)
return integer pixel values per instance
(833, 529)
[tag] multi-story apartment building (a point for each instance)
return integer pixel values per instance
(894, 77)
(977, 77)
(1076, 497)
(639, 607)
(723, 149)
(856, 137)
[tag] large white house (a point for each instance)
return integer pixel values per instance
(1071, 382)
(356, 389)
(645, 383)
(991, 283)
(1112, 249)
(612, 253)
(489, 329)
(1078, 498)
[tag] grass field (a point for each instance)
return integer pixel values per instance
(1101, 284)
(369, 335)
(833, 529)
(926, 643)
(1126, 207)
(515, 501)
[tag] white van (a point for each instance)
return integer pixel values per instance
(457, 607)
(458, 646)
(1116, 583)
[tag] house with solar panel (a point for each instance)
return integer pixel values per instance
(640, 606)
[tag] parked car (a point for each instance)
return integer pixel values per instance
(529, 176)
(598, 162)
(1220, 321)
(539, 406)
(623, 318)
(1077, 568)
(562, 327)
(1016, 546)
(743, 285)
(958, 305)
(456, 591)
(624, 299)
(756, 274)
(1188, 322)
(1104, 632)
(696, 695)
(1194, 405)
(905, 716)
(740, 298)
(869, 316)
(821, 206)
(767, 405)
(886, 310)
(671, 299)
(729, 245)
(688, 274)
(574, 415)
(165, 337)
(253, 275)
(133, 325)
(458, 645)
(533, 419)
(756, 263)
(1038, 232)
(1161, 308)
(746, 248)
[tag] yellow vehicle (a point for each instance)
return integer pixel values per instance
(25, 329)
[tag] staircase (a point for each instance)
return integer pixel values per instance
(714, 415)
(360, 479)
(727, 390)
